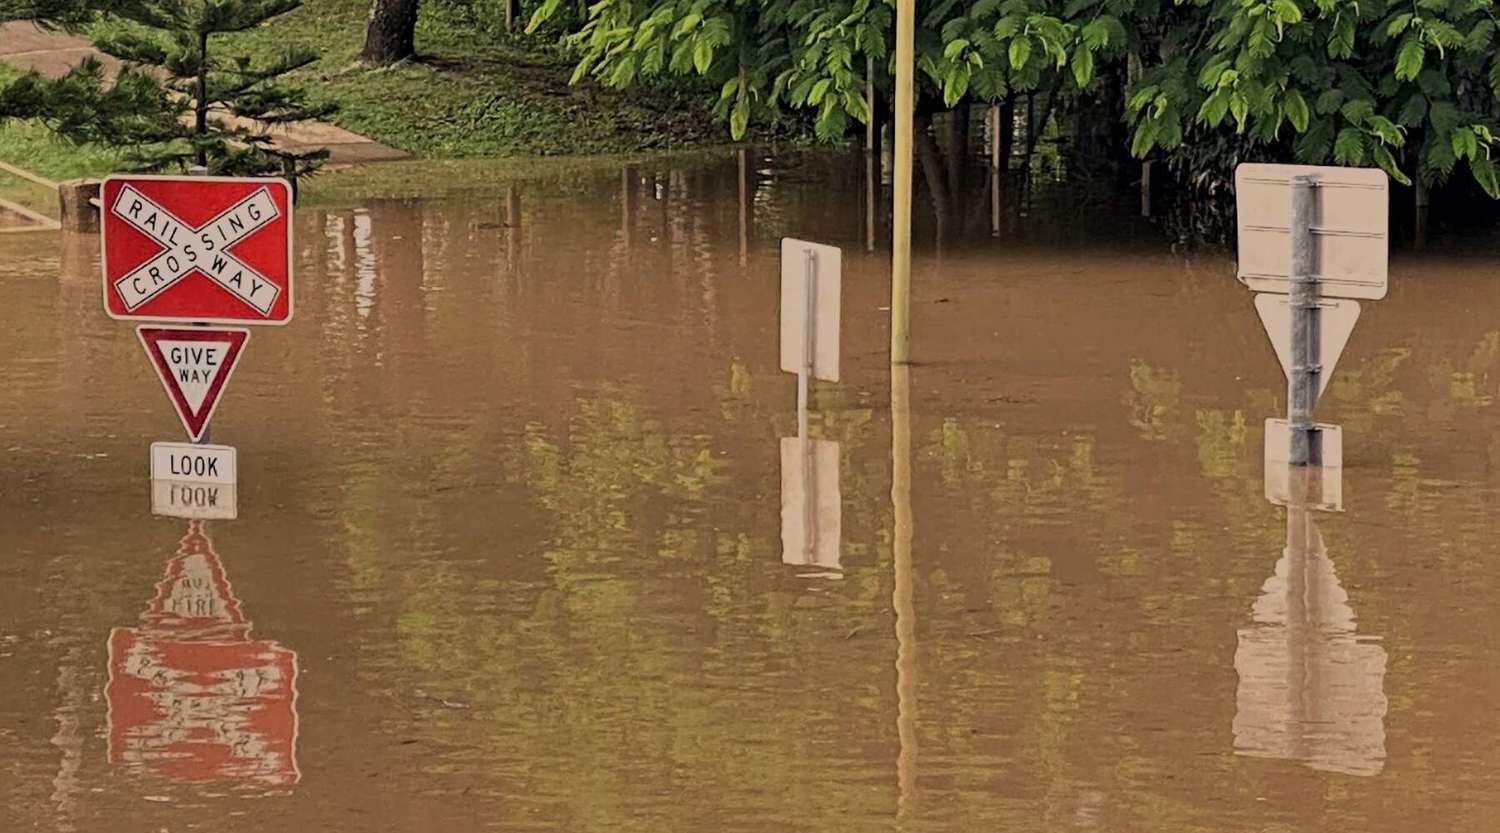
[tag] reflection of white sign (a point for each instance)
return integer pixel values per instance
(195, 463)
(1325, 486)
(195, 501)
(1310, 688)
(810, 289)
(1336, 321)
(811, 503)
(1350, 228)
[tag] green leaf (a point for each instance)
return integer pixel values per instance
(703, 55)
(1312, 147)
(1296, 110)
(1214, 108)
(1329, 101)
(1341, 40)
(955, 48)
(1413, 111)
(1020, 50)
(1208, 77)
(1145, 139)
(1387, 130)
(1008, 26)
(1465, 143)
(1349, 147)
(1240, 107)
(1083, 66)
(1483, 168)
(739, 117)
(1398, 24)
(1409, 58)
(1388, 164)
(1358, 110)
(1440, 158)
(1094, 34)
(819, 89)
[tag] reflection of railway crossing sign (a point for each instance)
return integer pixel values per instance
(194, 248)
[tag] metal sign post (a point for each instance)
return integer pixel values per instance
(1306, 232)
(1302, 384)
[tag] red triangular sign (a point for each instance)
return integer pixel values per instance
(194, 366)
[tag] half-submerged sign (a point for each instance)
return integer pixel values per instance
(1318, 487)
(194, 365)
(197, 248)
(1349, 228)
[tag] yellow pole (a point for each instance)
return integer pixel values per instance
(901, 183)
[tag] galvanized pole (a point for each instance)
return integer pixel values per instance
(906, 28)
(804, 383)
(207, 436)
(1307, 370)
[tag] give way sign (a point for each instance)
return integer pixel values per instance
(197, 248)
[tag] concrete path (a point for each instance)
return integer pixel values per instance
(25, 45)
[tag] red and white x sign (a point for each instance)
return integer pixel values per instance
(197, 248)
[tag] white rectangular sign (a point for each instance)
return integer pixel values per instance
(1326, 489)
(1350, 228)
(818, 315)
(194, 501)
(194, 463)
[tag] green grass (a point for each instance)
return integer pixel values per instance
(470, 93)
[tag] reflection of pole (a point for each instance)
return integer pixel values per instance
(1303, 382)
(1302, 596)
(901, 184)
(70, 736)
(512, 225)
(744, 204)
(627, 205)
(902, 596)
(804, 382)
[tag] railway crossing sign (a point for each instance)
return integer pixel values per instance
(197, 248)
(194, 364)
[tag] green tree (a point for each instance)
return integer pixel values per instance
(1411, 86)
(79, 106)
(809, 54)
(225, 105)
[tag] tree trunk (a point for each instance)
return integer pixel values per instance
(200, 106)
(390, 35)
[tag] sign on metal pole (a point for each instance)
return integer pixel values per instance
(195, 366)
(1326, 493)
(197, 248)
(194, 463)
(1336, 319)
(1350, 229)
(810, 292)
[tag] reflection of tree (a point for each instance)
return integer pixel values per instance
(1152, 400)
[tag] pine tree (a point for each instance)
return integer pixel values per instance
(81, 106)
(225, 104)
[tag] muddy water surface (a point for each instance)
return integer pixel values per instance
(512, 551)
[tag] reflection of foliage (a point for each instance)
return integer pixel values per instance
(1153, 396)
(1371, 387)
(1221, 442)
(1465, 386)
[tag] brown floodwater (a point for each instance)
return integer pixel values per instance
(510, 548)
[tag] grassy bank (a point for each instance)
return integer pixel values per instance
(472, 93)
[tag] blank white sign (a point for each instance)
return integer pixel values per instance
(797, 258)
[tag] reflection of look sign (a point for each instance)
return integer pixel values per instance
(193, 248)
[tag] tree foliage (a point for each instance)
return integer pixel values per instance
(1412, 86)
(222, 107)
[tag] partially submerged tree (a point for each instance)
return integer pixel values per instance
(226, 105)
(391, 33)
